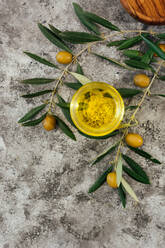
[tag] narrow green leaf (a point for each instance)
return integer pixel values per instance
(74, 86)
(39, 93)
(38, 81)
(113, 61)
(135, 176)
(137, 64)
(100, 137)
(34, 122)
(147, 57)
(158, 95)
(65, 128)
(162, 78)
(84, 20)
(130, 42)
(115, 43)
(119, 170)
(79, 69)
(66, 111)
(32, 113)
(126, 92)
(41, 60)
(79, 37)
(131, 107)
(64, 105)
(129, 189)
(135, 167)
(154, 47)
(133, 54)
(55, 31)
(122, 195)
(102, 21)
(81, 78)
(161, 36)
(145, 154)
(53, 38)
(103, 154)
(99, 182)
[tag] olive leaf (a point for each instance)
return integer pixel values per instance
(130, 42)
(154, 47)
(41, 60)
(135, 176)
(119, 170)
(65, 128)
(53, 38)
(102, 21)
(66, 111)
(79, 69)
(84, 20)
(39, 93)
(135, 167)
(32, 113)
(64, 105)
(99, 182)
(131, 107)
(129, 189)
(81, 78)
(79, 37)
(115, 43)
(38, 81)
(144, 154)
(158, 95)
(34, 122)
(147, 57)
(126, 92)
(113, 61)
(137, 64)
(122, 195)
(103, 154)
(162, 78)
(74, 86)
(133, 54)
(161, 36)
(55, 31)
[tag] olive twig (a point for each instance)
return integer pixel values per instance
(135, 112)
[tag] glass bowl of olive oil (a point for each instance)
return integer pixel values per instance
(97, 109)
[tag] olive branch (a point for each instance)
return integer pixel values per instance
(135, 60)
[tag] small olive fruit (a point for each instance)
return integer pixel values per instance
(49, 123)
(134, 140)
(64, 57)
(162, 47)
(141, 80)
(111, 179)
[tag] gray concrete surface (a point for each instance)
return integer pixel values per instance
(44, 177)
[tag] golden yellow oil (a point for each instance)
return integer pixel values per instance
(96, 108)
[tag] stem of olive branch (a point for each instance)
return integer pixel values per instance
(135, 112)
(62, 75)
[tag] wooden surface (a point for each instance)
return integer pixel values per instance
(148, 11)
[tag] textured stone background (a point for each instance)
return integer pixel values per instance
(44, 177)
